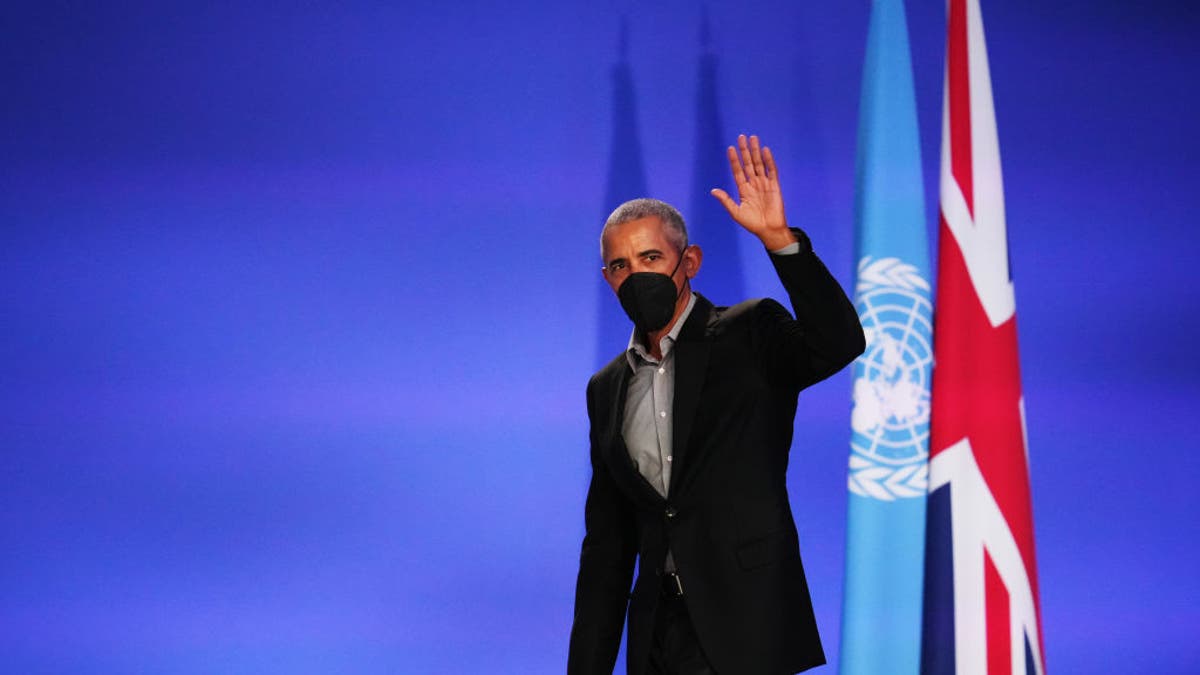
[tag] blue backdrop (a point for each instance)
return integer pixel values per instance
(299, 304)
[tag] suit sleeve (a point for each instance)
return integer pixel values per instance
(606, 562)
(825, 335)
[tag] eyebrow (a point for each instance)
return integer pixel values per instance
(641, 254)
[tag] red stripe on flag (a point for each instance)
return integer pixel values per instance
(958, 84)
(976, 393)
(999, 620)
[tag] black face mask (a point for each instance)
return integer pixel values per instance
(649, 298)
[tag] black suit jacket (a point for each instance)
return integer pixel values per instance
(726, 517)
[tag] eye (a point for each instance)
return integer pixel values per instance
(653, 256)
(616, 266)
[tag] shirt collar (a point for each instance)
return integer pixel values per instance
(636, 351)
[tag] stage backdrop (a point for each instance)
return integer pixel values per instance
(299, 302)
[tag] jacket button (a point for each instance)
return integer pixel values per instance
(670, 512)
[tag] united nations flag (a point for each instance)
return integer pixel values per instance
(889, 446)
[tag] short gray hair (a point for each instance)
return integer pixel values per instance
(645, 207)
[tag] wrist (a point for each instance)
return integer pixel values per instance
(775, 240)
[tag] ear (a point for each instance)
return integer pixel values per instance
(692, 257)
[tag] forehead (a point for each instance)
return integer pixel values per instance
(635, 236)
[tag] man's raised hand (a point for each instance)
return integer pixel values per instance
(757, 180)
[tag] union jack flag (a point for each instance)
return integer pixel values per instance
(981, 607)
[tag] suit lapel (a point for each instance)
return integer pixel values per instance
(691, 364)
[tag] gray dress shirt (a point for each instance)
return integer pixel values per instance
(648, 399)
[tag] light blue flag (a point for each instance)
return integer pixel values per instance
(881, 605)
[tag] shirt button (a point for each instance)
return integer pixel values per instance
(669, 458)
(661, 371)
(662, 413)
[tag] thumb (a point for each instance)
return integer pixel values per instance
(725, 200)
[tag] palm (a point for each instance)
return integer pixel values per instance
(761, 204)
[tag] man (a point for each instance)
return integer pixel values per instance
(690, 433)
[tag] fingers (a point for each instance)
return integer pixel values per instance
(756, 157)
(725, 199)
(769, 161)
(735, 167)
(747, 160)
(750, 160)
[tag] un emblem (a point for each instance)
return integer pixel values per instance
(890, 420)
